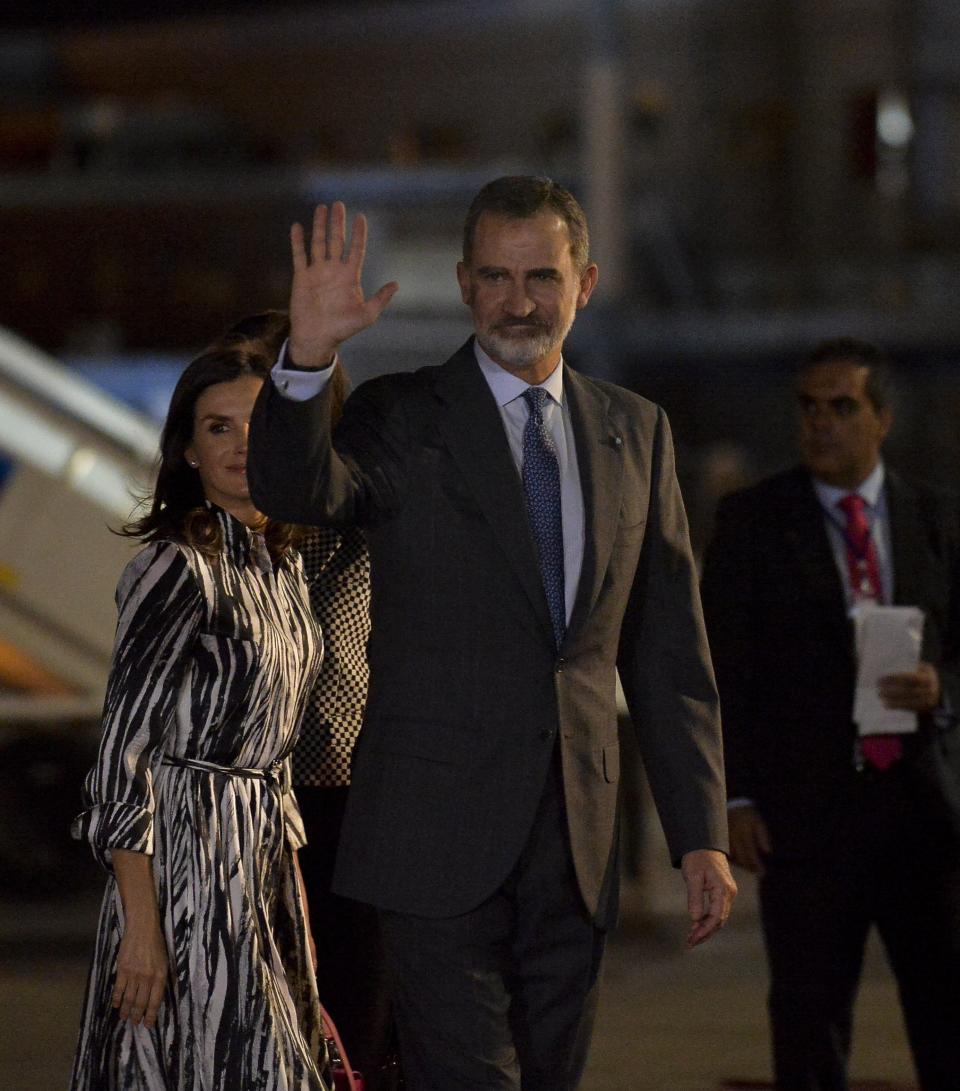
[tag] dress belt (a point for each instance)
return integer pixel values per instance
(271, 774)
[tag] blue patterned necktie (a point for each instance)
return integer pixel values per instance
(541, 484)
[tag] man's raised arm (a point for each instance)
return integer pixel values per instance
(294, 474)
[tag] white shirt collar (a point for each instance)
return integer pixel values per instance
(506, 387)
(870, 489)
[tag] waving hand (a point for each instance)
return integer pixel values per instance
(327, 304)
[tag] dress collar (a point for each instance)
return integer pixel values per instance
(240, 543)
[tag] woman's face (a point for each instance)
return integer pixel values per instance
(218, 449)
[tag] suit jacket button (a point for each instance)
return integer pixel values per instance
(559, 665)
(546, 733)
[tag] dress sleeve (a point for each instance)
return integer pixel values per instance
(159, 604)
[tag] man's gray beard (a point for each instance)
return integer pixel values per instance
(521, 352)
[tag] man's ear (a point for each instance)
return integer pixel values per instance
(463, 279)
(588, 281)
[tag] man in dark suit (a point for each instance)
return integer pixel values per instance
(846, 832)
(527, 537)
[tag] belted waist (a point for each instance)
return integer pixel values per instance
(270, 774)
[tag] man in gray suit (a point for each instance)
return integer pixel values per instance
(527, 538)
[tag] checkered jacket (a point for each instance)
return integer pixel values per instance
(337, 568)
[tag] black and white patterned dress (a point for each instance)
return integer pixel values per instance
(212, 663)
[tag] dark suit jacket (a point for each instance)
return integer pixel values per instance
(783, 648)
(468, 694)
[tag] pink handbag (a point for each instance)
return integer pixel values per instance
(345, 1078)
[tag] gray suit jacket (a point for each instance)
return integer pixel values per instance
(468, 695)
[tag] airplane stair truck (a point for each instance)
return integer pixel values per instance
(73, 462)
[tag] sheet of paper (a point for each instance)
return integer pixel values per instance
(888, 640)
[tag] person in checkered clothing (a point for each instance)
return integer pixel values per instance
(351, 975)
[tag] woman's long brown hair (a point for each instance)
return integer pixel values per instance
(178, 506)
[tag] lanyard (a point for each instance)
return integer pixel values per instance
(862, 562)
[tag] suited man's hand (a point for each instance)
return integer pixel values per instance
(749, 838)
(914, 691)
(710, 892)
(327, 305)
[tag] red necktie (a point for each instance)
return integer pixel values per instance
(861, 551)
(880, 751)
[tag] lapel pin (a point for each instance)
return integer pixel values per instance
(616, 442)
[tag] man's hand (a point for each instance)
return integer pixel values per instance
(327, 305)
(749, 838)
(710, 892)
(914, 691)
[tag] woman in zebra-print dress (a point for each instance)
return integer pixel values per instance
(351, 966)
(202, 975)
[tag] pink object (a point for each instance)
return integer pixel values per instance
(345, 1077)
(881, 751)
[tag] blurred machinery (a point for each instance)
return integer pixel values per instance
(72, 461)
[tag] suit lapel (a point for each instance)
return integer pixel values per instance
(905, 545)
(600, 458)
(473, 432)
(806, 537)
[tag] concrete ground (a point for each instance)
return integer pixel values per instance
(678, 1020)
(669, 1020)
